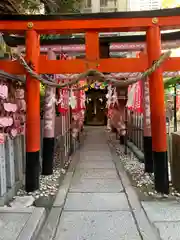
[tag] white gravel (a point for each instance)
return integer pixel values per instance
(49, 185)
(144, 181)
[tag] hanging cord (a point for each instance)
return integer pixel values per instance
(91, 75)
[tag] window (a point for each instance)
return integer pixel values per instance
(87, 3)
(103, 3)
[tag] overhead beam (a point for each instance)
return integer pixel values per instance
(79, 66)
(171, 64)
(108, 65)
(100, 25)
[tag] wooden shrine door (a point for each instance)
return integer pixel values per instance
(96, 107)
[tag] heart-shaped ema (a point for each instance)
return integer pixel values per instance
(6, 121)
(3, 91)
(10, 107)
(13, 132)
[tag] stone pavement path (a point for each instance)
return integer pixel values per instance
(97, 206)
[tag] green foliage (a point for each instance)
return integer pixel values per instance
(61, 6)
(170, 82)
(67, 6)
(170, 3)
(34, 6)
(54, 37)
(42, 89)
(30, 5)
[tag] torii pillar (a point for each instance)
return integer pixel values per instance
(49, 125)
(32, 113)
(147, 136)
(157, 105)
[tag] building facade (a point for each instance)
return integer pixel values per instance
(92, 6)
(143, 5)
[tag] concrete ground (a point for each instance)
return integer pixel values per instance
(165, 216)
(20, 223)
(96, 200)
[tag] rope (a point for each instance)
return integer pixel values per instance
(125, 83)
(137, 75)
(120, 75)
(92, 74)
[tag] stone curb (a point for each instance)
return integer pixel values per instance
(34, 224)
(138, 153)
(49, 229)
(146, 228)
(63, 190)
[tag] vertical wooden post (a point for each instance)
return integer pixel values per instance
(158, 120)
(32, 114)
(49, 125)
(78, 112)
(92, 46)
(175, 108)
(147, 136)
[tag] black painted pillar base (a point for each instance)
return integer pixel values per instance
(161, 179)
(148, 156)
(122, 140)
(48, 156)
(32, 171)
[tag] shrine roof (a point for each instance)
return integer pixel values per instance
(89, 16)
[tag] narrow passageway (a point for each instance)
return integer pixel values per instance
(96, 206)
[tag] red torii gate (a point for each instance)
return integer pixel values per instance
(92, 24)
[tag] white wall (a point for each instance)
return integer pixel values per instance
(138, 5)
(122, 5)
(95, 6)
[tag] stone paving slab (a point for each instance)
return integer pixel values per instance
(11, 224)
(20, 224)
(96, 164)
(96, 202)
(96, 173)
(96, 185)
(97, 226)
(169, 230)
(95, 158)
(93, 153)
(162, 211)
(94, 145)
(166, 218)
